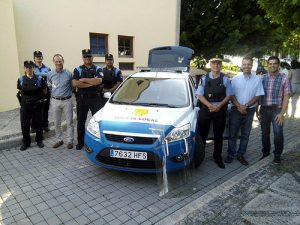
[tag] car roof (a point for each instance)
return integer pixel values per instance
(158, 74)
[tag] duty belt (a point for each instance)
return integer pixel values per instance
(86, 95)
(25, 101)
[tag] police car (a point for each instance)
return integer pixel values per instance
(149, 123)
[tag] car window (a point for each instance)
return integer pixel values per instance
(153, 92)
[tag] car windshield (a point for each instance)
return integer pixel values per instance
(154, 92)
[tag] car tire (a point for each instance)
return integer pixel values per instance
(199, 152)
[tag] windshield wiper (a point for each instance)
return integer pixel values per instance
(121, 103)
(156, 104)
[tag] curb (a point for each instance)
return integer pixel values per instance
(202, 201)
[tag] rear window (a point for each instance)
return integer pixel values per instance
(170, 57)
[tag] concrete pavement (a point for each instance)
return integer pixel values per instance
(10, 128)
(264, 194)
(60, 186)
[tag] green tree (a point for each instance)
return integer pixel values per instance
(285, 13)
(228, 26)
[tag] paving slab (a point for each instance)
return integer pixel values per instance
(287, 185)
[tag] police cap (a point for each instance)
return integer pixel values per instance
(28, 64)
(37, 54)
(86, 52)
(109, 57)
(218, 57)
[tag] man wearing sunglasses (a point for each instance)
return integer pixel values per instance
(86, 80)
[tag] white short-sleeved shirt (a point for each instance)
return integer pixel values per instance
(245, 88)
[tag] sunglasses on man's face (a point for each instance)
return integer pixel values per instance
(87, 56)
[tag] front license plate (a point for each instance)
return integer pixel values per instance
(128, 154)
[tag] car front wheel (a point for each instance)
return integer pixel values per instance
(199, 152)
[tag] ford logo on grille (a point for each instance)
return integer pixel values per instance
(128, 139)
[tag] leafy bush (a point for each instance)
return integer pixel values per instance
(229, 66)
(198, 62)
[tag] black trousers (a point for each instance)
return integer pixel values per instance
(30, 112)
(84, 104)
(205, 117)
(45, 112)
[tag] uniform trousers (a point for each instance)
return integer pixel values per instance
(84, 104)
(45, 111)
(66, 107)
(218, 119)
(28, 112)
(45, 105)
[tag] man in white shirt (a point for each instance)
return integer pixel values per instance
(247, 88)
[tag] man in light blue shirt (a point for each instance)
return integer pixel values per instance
(60, 83)
(247, 88)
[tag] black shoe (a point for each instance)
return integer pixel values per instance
(220, 163)
(79, 146)
(24, 147)
(242, 160)
(57, 144)
(46, 129)
(277, 159)
(228, 159)
(40, 144)
(32, 130)
(264, 156)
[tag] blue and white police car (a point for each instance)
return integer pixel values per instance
(150, 121)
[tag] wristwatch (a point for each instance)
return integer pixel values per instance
(247, 105)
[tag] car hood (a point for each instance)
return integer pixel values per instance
(126, 118)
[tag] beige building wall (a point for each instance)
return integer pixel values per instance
(9, 69)
(63, 26)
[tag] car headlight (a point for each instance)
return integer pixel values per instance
(179, 133)
(93, 127)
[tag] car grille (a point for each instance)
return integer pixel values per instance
(153, 161)
(137, 140)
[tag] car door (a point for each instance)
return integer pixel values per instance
(193, 101)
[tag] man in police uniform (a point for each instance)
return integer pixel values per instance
(112, 76)
(214, 92)
(86, 80)
(32, 89)
(41, 70)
